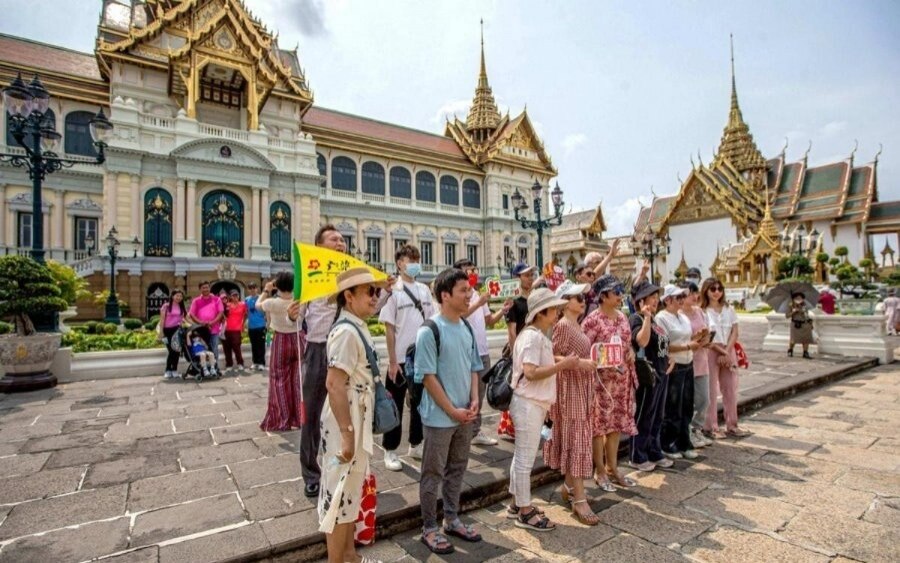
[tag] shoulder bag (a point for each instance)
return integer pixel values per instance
(385, 416)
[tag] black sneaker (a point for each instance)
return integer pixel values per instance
(311, 490)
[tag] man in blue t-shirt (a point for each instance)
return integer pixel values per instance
(256, 326)
(449, 406)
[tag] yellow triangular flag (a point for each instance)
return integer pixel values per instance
(316, 270)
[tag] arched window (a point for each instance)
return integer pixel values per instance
(425, 186)
(401, 182)
(11, 141)
(372, 178)
(322, 164)
(157, 222)
(280, 231)
(223, 224)
(471, 194)
(78, 134)
(343, 174)
(449, 190)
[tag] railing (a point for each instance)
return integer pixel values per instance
(400, 201)
(450, 208)
(373, 197)
(234, 134)
(344, 194)
(85, 266)
(472, 211)
(156, 121)
(282, 144)
(426, 204)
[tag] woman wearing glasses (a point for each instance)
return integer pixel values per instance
(679, 410)
(722, 361)
(612, 413)
(569, 447)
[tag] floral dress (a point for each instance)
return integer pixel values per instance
(341, 485)
(613, 405)
(569, 448)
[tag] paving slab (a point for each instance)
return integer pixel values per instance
(656, 521)
(745, 510)
(278, 499)
(22, 464)
(42, 484)
(732, 545)
(626, 547)
(856, 539)
(129, 469)
(244, 542)
(211, 456)
(186, 519)
(57, 512)
(885, 484)
(70, 544)
(884, 513)
(165, 490)
(266, 470)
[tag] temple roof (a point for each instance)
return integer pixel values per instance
(589, 220)
(483, 115)
(737, 143)
(43, 57)
(884, 217)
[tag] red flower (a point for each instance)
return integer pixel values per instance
(313, 264)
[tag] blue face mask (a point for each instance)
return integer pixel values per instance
(413, 269)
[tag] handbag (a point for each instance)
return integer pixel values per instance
(498, 389)
(385, 416)
(741, 356)
(646, 373)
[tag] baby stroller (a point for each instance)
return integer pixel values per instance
(185, 338)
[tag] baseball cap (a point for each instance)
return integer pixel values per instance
(521, 268)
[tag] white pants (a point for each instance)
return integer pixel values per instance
(528, 418)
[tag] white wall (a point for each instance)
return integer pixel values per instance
(700, 242)
(846, 236)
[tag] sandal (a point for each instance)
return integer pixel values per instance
(625, 482)
(590, 519)
(512, 511)
(543, 524)
(566, 493)
(461, 531)
(438, 544)
(604, 484)
(738, 433)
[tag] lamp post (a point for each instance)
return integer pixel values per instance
(112, 303)
(787, 243)
(650, 247)
(135, 244)
(35, 131)
(539, 224)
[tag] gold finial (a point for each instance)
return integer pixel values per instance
(855, 148)
(806, 154)
(652, 192)
(693, 165)
(737, 143)
(699, 157)
(878, 154)
(484, 117)
(784, 148)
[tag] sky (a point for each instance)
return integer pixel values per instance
(624, 94)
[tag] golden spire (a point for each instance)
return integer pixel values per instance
(483, 117)
(737, 143)
(767, 225)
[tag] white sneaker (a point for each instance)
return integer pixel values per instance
(241, 369)
(646, 467)
(167, 375)
(690, 454)
(664, 463)
(392, 462)
(673, 455)
(415, 452)
(481, 439)
(698, 440)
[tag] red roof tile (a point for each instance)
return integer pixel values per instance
(24, 52)
(331, 119)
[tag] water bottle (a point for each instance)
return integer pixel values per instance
(546, 432)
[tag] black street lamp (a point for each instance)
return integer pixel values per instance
(136, 244)
(112, 303)
(520, 206)
(35, 131)
(650, 247)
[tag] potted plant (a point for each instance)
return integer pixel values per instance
(72, 288)
(27, 288)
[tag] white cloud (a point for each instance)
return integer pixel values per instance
(572, 141)
(459, 108)
(833, 128)
(620, 219)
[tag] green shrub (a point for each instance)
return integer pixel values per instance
(71, 287)
(91, 327)
(376, 329)
(27, 288)
(108, 328)
(132, 324)
(6, 328)
(150, 325)
(154, 319)
(137, 340)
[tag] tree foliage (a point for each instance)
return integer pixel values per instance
(795, 267)
(27, 288)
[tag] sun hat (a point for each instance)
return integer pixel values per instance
(463, 263)
(353, 277)
(521, 268)
(643, 290)
(570, 288)
(693, 273)
(672, 290)
(606, 282)
(540, 299)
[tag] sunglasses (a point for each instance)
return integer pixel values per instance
(374, 291)
(716, 288)
(589, 274)
(579, 298)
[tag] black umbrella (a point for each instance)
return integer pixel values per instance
(779, 297)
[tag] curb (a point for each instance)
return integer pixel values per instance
(313, 547)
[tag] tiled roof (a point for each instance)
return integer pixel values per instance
(821, 192)
(884, 217)
(642, 219)
(363, 126)
(25, 52)
(659, 209)
(577, 220)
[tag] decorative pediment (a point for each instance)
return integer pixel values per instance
(23, 202)
(696, 204)
(451, 236)
(401, 231)
(86, 207)
(374, 230)
(427, 234)
(473, 238)
(346, 228)
(223, 151)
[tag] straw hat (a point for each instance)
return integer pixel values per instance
(353, 277)
(541, 299)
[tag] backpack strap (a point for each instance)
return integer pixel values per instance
(416, 302)
(370, 353)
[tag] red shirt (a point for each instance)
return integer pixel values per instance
(235, 315)
(826, 300)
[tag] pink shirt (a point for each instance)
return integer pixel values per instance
(171, 318)
(234, 320)
(206, 309)
(698, 323)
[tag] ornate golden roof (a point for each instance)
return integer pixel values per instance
(484, 117)
(737, 143)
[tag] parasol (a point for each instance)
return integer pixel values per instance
(779, 297)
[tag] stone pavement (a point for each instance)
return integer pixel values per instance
(818, 481)
(142, 469)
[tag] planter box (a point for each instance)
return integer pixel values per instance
(841, 335)
(88, 366)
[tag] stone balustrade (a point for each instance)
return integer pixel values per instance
(841, 335)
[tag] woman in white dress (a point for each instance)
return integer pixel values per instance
(346, 422)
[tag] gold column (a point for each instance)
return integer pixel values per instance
(190, 210)
(179, 213)
(4, 240)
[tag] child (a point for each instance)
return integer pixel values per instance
(206, 358)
